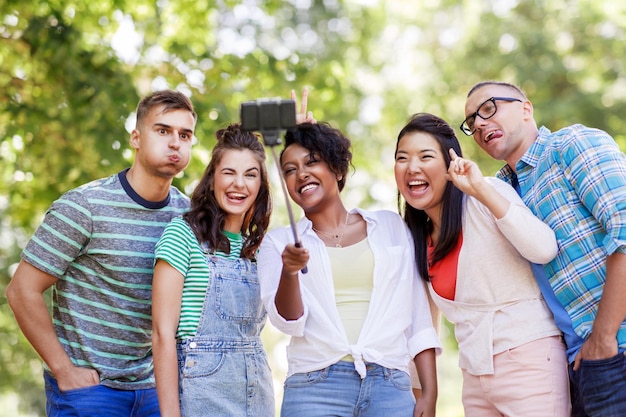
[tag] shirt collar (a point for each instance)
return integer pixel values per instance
(530, 158)
(532, 155)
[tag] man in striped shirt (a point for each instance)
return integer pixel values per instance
(95, 248)
(575, 181)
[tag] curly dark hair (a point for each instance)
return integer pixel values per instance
(326, 143)
(452, 209)
(207, 219)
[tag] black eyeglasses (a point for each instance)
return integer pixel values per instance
(485, 111)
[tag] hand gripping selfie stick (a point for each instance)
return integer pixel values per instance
(269, 117)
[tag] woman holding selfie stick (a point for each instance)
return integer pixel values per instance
(360, 312)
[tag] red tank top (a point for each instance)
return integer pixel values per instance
(443, 273)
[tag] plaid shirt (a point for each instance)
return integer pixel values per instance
(575, 181)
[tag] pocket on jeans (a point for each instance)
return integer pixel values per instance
(400, 380)
(538, 352)
(609, 363)
(80, 391)
(52, 386)
(304, 379)
(201, 364)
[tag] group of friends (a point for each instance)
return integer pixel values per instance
(159, 300)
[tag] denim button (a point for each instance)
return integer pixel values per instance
(192, 345)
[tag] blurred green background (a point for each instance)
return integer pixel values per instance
(72, 72)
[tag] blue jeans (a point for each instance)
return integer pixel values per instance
(339, 391)
(598, 388)
(99, 401)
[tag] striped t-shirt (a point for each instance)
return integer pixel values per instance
(98, 240)
(179, 247)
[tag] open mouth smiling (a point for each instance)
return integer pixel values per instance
(417, 184)
(306, 188)
(236, 196)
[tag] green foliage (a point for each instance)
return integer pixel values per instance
(68, 89)
(64, 112)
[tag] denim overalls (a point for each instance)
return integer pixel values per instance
(223, 370)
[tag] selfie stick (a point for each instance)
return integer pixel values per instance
(269, 116)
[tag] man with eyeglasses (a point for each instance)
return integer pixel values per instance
(574, 180)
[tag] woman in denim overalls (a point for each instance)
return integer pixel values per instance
(207, 313)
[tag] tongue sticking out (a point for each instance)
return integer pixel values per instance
(496, 134)
(236, 196)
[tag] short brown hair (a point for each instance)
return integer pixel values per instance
(498, 83)
(170, 99)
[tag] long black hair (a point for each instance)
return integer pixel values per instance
(207, 219)
(452, 208)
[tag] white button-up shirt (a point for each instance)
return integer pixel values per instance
(398, 325)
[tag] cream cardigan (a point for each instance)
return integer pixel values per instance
(498, 305)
